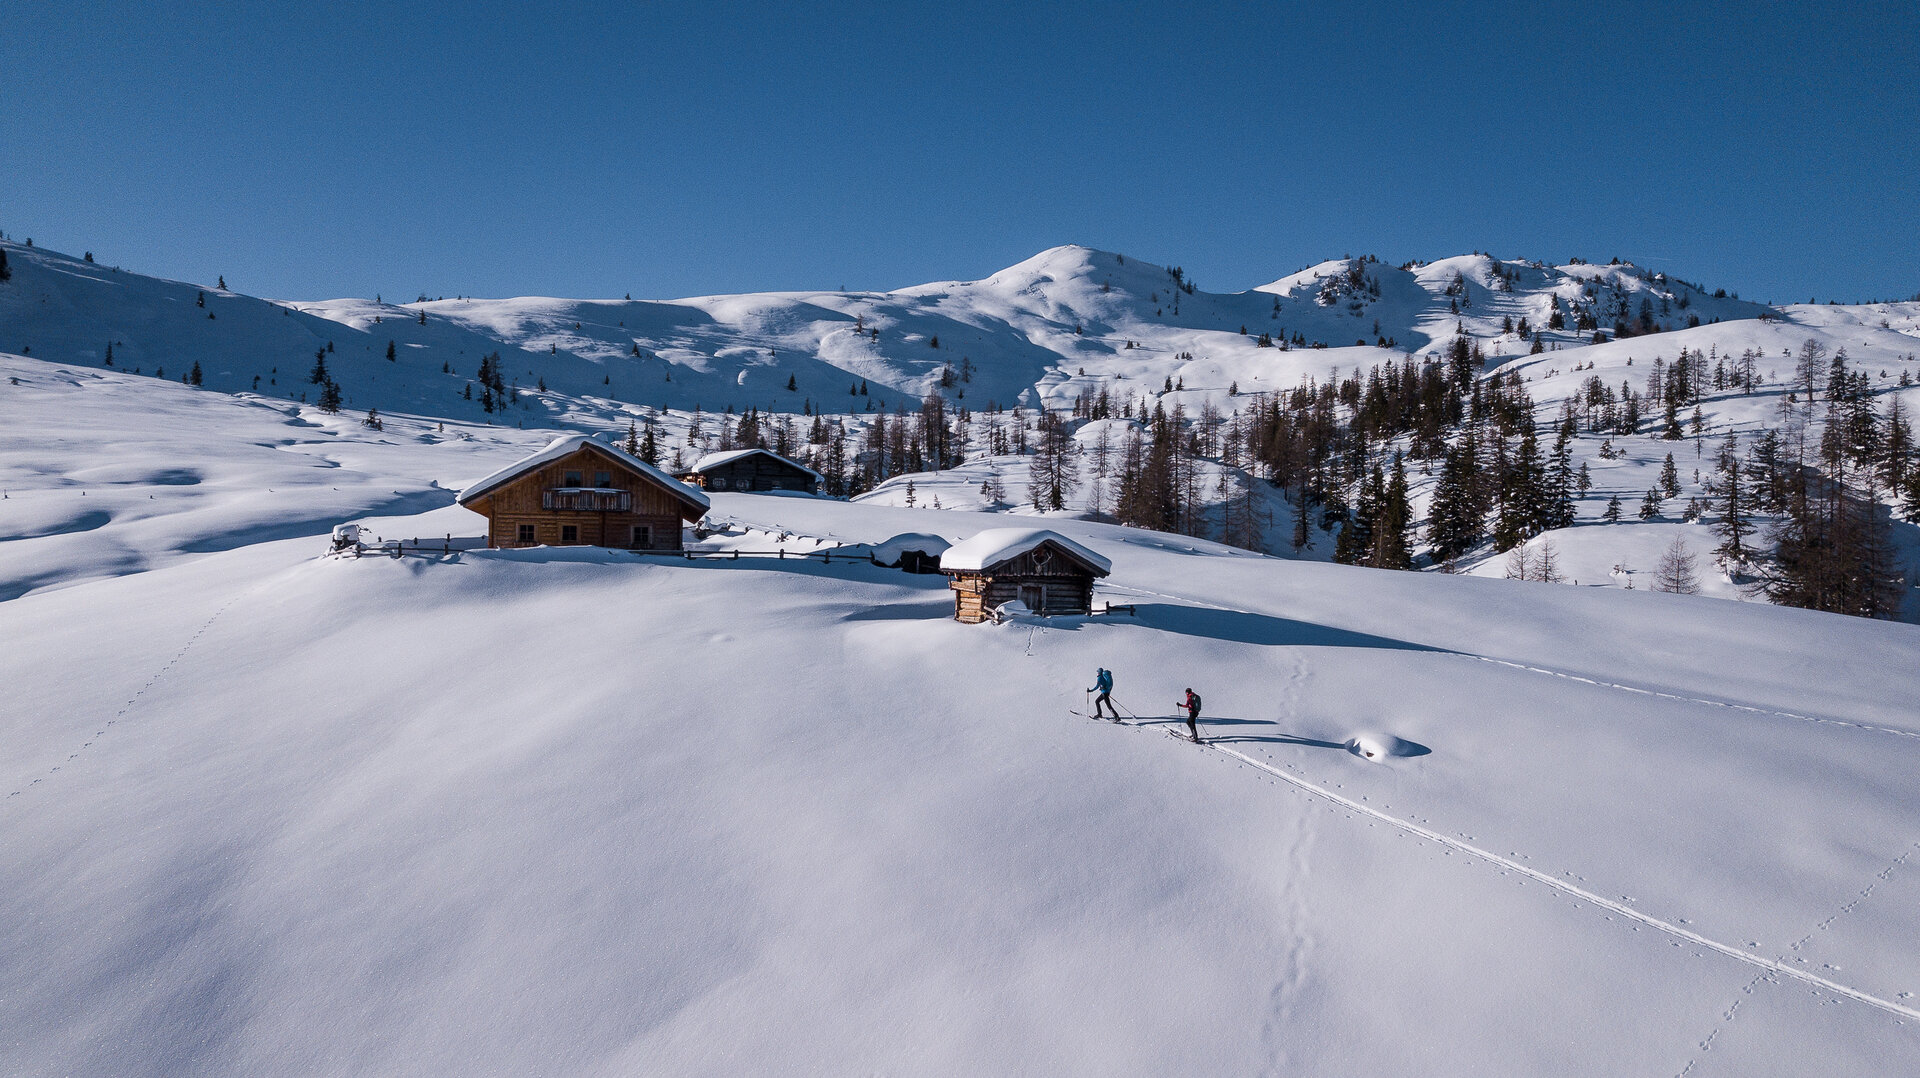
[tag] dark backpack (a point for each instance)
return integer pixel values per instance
(1193, 701)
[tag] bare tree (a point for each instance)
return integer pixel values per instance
(1810, 366)
(1676, 573)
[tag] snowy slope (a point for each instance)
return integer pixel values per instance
(1070, 320)
(569, 811)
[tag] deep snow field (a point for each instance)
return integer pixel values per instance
(265, 811)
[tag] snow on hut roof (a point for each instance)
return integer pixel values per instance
(890, 552)
(991, 547)
(715, 460)
(569, 444)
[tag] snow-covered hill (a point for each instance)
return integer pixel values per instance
(1025, 334)
(568, 811)
(1068, 322)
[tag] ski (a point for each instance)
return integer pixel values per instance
(1178, 736)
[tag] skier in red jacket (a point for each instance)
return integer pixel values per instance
(1192, 704)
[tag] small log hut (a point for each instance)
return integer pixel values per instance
(750, 471)
(579, 492)
(1045, 570)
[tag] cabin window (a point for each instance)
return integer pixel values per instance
(569, 533)
(719, 482)
(642, 537)
(603, 479)
(526, 533)
(572, 479)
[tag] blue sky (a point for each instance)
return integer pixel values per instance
(316, 150)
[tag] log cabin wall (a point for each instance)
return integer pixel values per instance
(521, 502)
(1047, 581)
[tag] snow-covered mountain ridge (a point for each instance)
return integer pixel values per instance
(1068, 325)
(1026, 333)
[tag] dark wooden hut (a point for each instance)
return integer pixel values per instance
(579, 492)
(1047, 572)
(751, 470)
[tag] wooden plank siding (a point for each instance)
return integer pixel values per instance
(1046, 580)
(519, 502)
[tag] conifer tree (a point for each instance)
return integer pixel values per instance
(319, 376)
(1736, 519)
(1456, 521)
(1560, 479)
(1669, 478)
(330, 397)
(1650, 505)
(1612, 515)
(1523, 498)
(1355, 546)
(193, 376)
(1676, 573)
(1670, 430)
(1392, 522)
(390, 352)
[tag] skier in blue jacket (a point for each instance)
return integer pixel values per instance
(1103, 684)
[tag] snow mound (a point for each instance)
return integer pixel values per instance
(890, 552)
(1382, 746)
(995, 545)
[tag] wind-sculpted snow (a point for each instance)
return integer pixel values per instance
(580, 811)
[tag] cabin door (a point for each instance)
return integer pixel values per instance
(1035, 596)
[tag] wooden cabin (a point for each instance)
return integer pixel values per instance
(750, 471)
(579, 492)
(1045, 570)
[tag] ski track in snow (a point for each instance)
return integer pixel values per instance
(1768, 977)
(1769, 966)
(1691, 699)
(1773, 965)
(1581, 678)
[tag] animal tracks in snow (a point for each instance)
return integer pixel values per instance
(141, 691)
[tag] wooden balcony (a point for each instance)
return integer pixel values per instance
(587, 500)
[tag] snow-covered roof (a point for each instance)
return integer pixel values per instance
(890, 552)
(991, 547)
(570, 444)
(715, 460)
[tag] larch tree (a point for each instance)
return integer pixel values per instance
(1676, 573)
